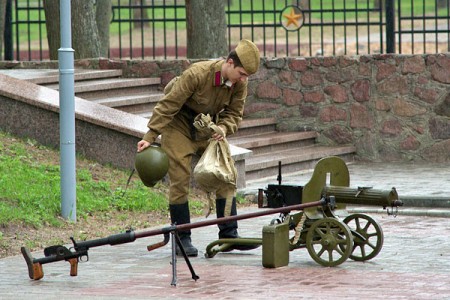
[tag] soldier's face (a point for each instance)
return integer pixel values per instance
(236, 74)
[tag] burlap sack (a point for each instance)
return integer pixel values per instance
(216, 169)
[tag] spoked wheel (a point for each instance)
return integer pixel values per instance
(367, 236)
(329, 242)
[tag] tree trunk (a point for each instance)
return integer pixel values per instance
(85, 38)
(103, 17)
(442, 3)
(2, 23)
(139, 14)
(304, 4)
(379, 4)
(51, 8)
(206, 29)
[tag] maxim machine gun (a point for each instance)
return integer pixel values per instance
(317, 225)
(329, 232)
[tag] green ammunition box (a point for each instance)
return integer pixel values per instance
(275, 245)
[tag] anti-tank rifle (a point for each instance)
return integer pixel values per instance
(79, 250)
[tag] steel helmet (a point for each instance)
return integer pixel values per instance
(151, 165)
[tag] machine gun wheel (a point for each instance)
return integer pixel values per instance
(367, 236)
(329, 242)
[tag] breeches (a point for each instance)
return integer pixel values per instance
(180, 150)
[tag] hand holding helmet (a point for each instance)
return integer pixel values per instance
(151, 164)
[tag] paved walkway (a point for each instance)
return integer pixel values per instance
(423, 187)
(414, 262)
(409, 179)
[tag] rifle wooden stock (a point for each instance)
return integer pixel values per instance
(35, 271)
(73, 266)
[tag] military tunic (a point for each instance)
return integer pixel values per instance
(199, 89)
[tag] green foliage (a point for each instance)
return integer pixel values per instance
(169, 17)
(196, 207)
(30, 188)
(240, 199)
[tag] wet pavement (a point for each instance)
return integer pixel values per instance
(414, 262)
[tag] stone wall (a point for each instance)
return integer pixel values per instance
(391, 107)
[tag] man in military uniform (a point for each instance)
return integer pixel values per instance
(217, 88)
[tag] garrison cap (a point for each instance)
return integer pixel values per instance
(248, 54)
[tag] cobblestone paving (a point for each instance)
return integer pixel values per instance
(409, 179)
(414, 262)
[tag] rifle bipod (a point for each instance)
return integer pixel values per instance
(175, 240)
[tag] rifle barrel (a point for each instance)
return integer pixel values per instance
(205, 223)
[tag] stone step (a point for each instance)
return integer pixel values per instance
(145, 114)
(256, 126)
(136, 103)
(102, 88)
(125, 86)
(49, 76)
(246, 124)
(81, 75)
(292, 160)
(274, 141)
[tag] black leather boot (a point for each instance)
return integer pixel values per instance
(229, 230)
(179, 214)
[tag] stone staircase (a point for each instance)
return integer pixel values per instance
(296, 151)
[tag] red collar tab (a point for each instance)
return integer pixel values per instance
(217, 79)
